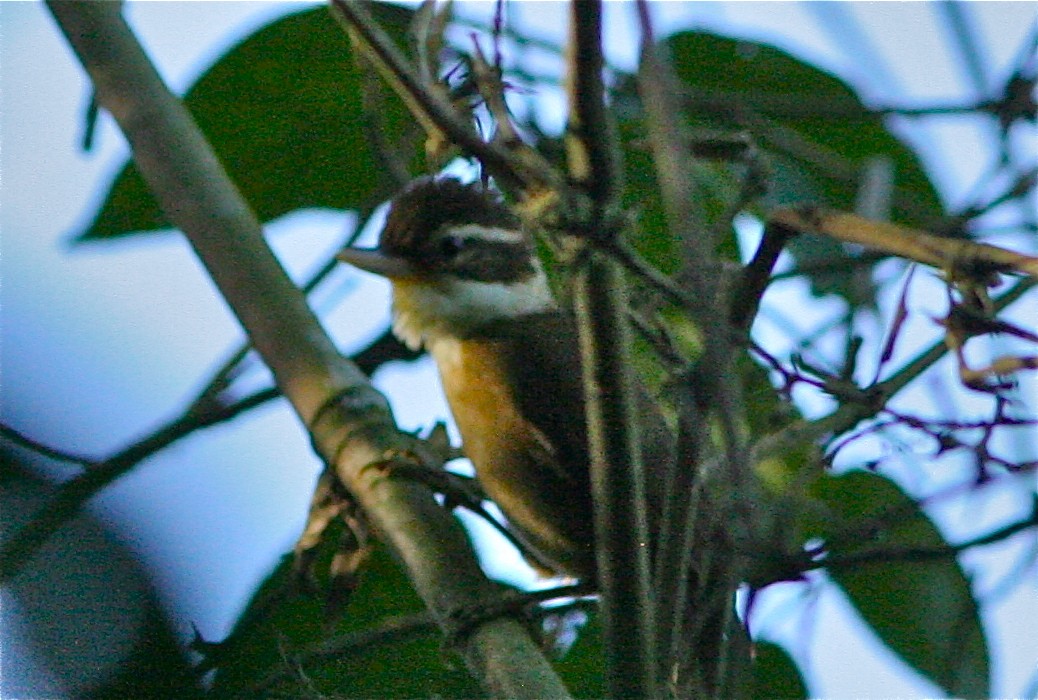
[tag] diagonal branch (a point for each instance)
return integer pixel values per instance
(203, 413)
(958, 258)
(658, 87)
(351, 424)
(523, 168)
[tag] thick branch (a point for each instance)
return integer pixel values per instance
(354, 428)
(617, 474)
(591, 147)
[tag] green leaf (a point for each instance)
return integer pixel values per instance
(155, 669)
(922, 607)
(283, 111)
(816, 137)
(813, 120)
(286, 645)
(582, 668)
(774, 674)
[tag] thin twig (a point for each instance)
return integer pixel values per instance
(965, 42)
(804, 432)
(959, 258)
(73, 494)
(528, 172)
(716, 386)
(787, 105)
(21, 439)
(756, 276)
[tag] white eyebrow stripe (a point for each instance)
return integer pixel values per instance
(488, 233)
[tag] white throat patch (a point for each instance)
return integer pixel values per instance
(424, 310)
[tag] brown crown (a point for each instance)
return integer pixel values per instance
(421, 220)
(429, 205)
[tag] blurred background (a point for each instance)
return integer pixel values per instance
(101, 342)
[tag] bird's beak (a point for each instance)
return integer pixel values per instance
(377, 262)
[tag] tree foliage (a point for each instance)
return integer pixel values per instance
(298, 118)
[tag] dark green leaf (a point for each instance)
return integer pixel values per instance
(774, 674)
(921, 606)
(815, 133)
(283, 112)
(285, 644)
(812, 119)
(84, 606)
(156, 668)
(581, 669)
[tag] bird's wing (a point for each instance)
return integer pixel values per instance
(543, 363)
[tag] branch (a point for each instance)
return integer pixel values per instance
(408, 626)
(693, 511)
(787, 566)
(73, 494)
(756, 276)
(523, 168)
(804, 432)
(394, 629)
(22, 440)
(617, 475)
(958, 258)
(670, 142)
(206, 410)
(350, 423)
(99, 473)
(928, 553)
(591, 147)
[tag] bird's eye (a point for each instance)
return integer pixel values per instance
(451, 245)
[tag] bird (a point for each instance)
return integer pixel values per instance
(469, 288)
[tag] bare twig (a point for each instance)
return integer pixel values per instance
(209, 408)
(786, 105)
(201, 414)
(671, 144)
(408, 626)
(372, 105)
(692, 514)
(71, 495)
(22, 440)
(852, 559)
(492, 88)
(896, 323)
(834, 554)
(849, 414)
(394, 629)
(747, 295)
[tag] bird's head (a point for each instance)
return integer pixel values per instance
(458, 259)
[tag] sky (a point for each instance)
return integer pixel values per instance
(100, 343)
